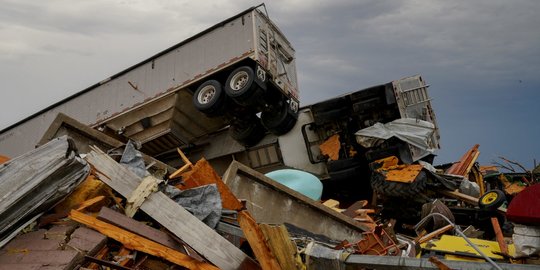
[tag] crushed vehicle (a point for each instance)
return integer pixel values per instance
(324, 141)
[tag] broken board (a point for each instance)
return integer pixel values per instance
(172, 216)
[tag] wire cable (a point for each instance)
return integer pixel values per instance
(458, 230)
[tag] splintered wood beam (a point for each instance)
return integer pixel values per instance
(435, 233)
(171, 215)
(122, 221)
(434, 260)
(90, 202)
(460, 196)
(499, 235)
(465, 163)
(55, 217)
(184, 168)
(133, 241)
(282, 246)
(256, 241)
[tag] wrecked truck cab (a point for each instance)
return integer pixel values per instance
(323, 140)
(347, 163)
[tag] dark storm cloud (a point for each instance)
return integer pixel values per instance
(84, 18)
(372, 40)
(481, 58)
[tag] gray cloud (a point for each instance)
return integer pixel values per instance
(481, 57)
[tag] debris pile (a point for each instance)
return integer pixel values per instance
(200, 157)
(113, 207)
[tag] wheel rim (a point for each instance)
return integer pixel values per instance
(206, 94)
(489, 198)
(239, 80)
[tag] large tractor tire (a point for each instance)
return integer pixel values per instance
(382, 186)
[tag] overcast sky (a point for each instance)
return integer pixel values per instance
(481, 58)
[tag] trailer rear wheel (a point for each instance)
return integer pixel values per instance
(247, 132)
(209, 98)
(242, 88)
(279, 121)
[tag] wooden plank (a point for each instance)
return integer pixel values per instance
(117, 219)
(188, 165)
(256, 240)
(170, 215)
(435, 233)
(90, 202)
(272, 202)
(333, 204)
(460, 196)
(434, 260)
(280, 243)
(499, 235)
(62, 213)
(465, 163)
(351, 211)
(202, 174)
(133, 241)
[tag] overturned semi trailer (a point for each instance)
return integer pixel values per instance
(232, 73)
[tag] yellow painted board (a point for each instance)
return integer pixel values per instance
(453, 244)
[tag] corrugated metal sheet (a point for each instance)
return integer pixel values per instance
(414, 102)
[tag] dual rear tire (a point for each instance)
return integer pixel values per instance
(247, 90)
(210, 98)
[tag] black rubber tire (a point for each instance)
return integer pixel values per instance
(342, 164)
(398, 189)
(346, 174)
(281, 121)
(492, 199)
(241, 87)
(209, 98)
(247, 133)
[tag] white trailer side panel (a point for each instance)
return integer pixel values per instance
(160, 75)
